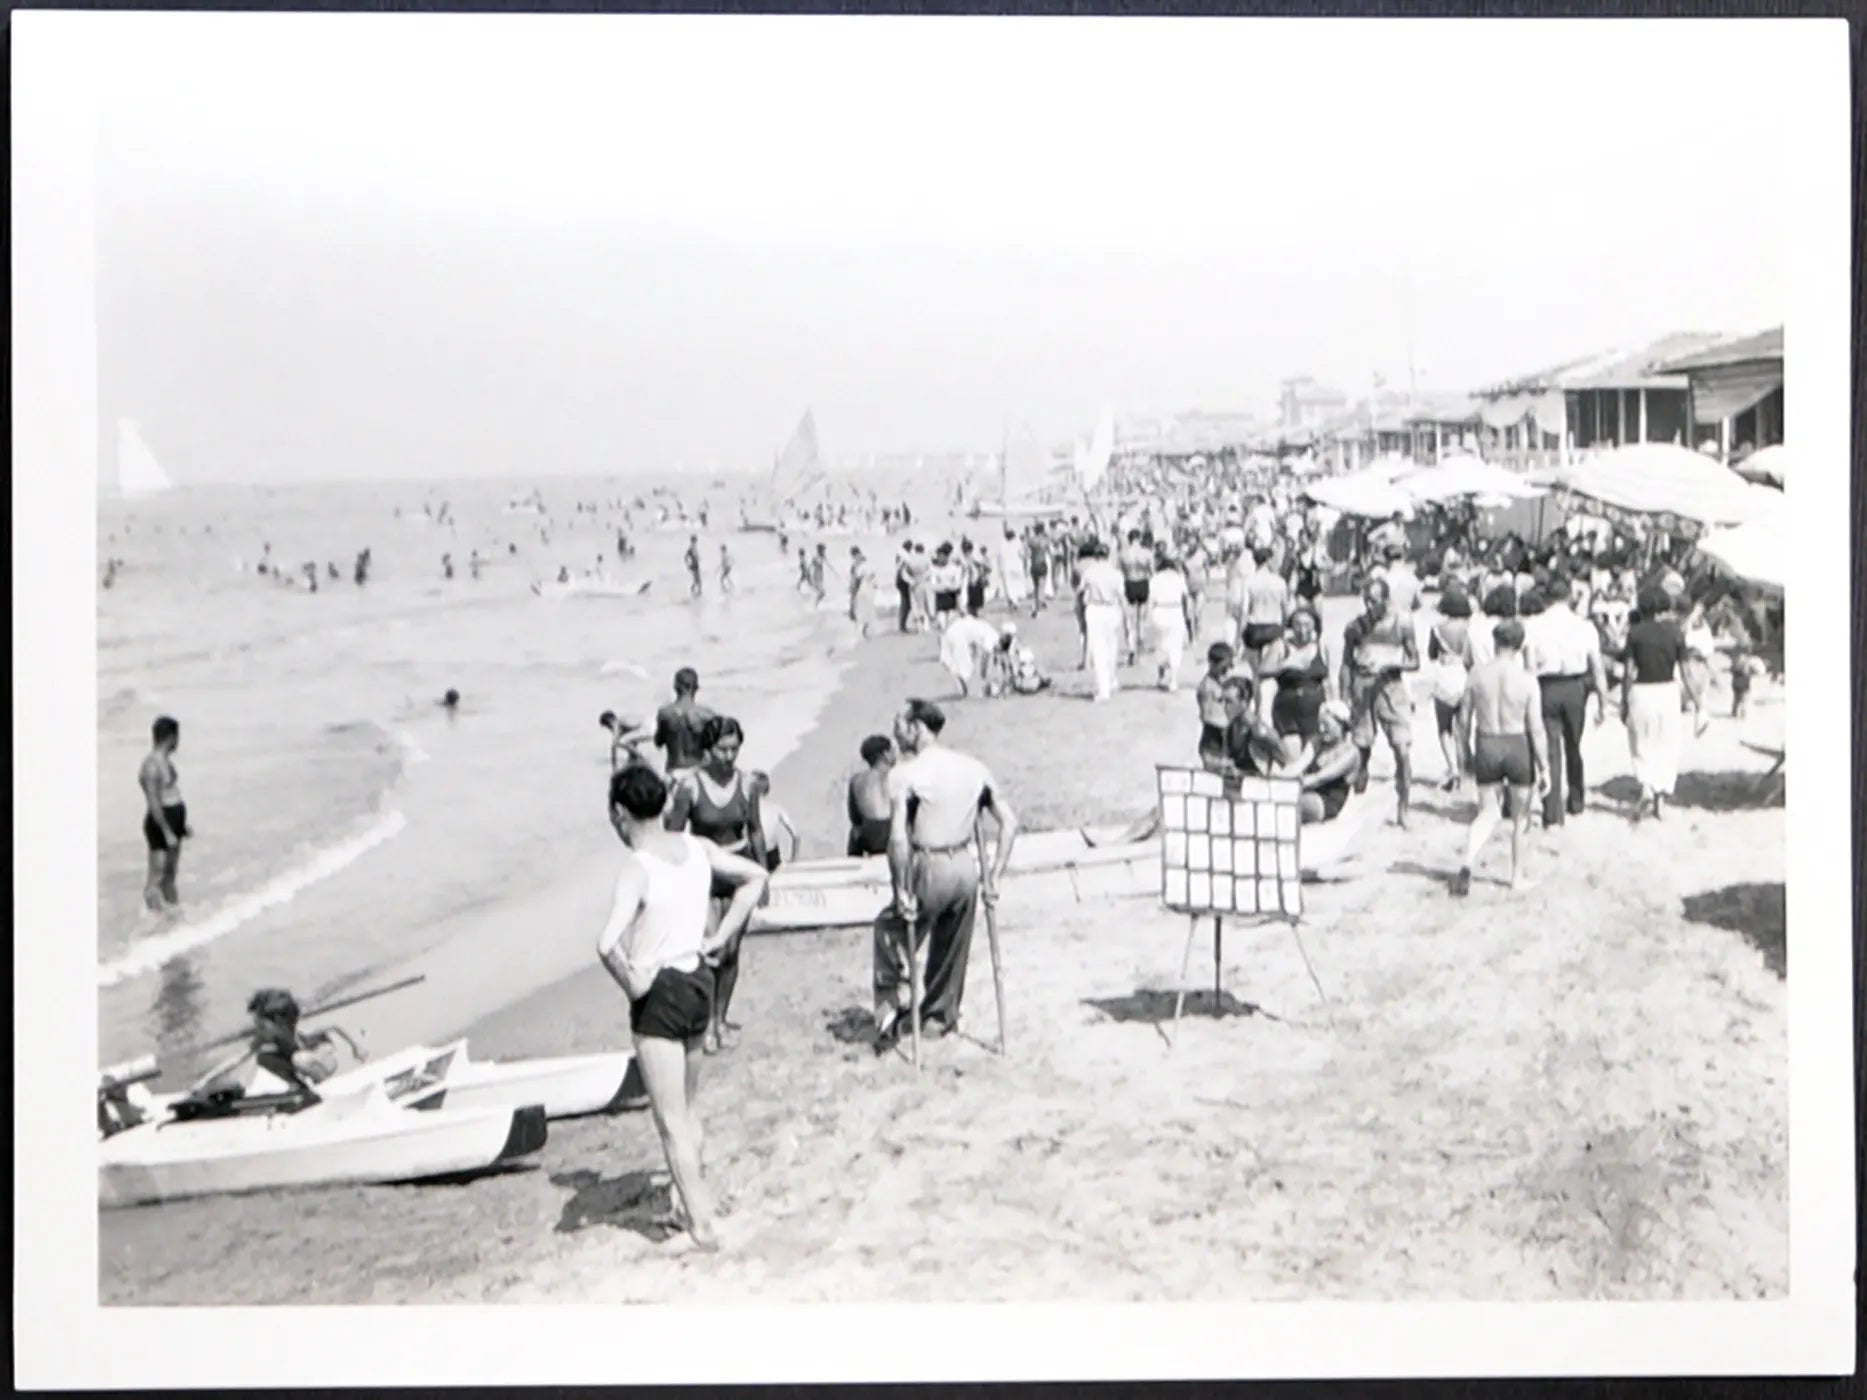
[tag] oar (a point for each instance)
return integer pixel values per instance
(325, 1009)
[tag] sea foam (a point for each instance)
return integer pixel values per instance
(150, 954)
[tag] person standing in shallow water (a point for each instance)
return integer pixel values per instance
(165, 823)
(657, 944)
(678, 724)
(692, 558)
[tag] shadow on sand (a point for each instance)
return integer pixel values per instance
(639, 1200)
(1756, 911)
(1707, 792)
(1154, 1006)
(853, 1025)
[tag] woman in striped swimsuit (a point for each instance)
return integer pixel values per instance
(719, 804)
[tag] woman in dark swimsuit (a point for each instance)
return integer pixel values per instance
(716, 802)
(1298, 673)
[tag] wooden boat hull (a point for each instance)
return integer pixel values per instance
(361, 1139)
(446, 1076)
(1047, 868)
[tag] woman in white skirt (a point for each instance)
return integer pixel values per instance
(1656, 665)
(1170, 619)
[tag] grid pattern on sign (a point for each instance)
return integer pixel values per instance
(1229, 849)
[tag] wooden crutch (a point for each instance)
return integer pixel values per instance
(991, 931)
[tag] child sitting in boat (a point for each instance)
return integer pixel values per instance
(283, 1059)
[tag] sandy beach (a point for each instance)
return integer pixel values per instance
(1577, 1091)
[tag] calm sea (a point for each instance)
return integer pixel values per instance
(341, 816)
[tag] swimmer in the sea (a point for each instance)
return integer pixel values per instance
(451, 702)
(165, 823)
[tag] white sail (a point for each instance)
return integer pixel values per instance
(799, 466)
(1024, 471)
(138, 471)
(1094, 465)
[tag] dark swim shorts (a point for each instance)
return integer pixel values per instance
(1135, 590)
(677, 1007)
(1259, 635)
(946, 600)
(177, 818)
(1503, 758)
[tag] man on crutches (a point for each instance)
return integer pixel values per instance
(936, 797)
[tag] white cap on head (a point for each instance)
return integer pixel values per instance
(1009, 629)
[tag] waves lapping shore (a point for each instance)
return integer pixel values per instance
(346, 821)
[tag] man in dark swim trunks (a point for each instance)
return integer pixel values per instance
(869, 803)
(1136, 562)
(678, 724)
(165, 823)
(1503, 712)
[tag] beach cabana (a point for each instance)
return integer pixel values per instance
(1439, 427)
(1736, 384)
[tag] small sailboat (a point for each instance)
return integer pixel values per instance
(796, 470)
(139, 474)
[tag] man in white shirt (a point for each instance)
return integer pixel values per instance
(1564, 653)
(936, 795)
(963, 646)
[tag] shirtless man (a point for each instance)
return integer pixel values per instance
(869, 802)
(165, 823)
(726, 570)
(1136, 562)
(935, 798)
(1379, 648)
(678, 724)
(1266, 607)
(692, 559)
(861, 577)
(1503, 713)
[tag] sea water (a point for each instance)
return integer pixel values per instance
(340, 813)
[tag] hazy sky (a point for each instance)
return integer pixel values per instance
(355, 245)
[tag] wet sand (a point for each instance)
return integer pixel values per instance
(1577, 1091)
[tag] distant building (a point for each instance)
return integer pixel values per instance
(1308, 404)
(1736, 385)
(1608, 399)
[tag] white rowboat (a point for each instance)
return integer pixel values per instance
(1047, 868)
(358, 1139)
(429, 1077)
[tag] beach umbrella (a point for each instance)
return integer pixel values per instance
(1662, 478)
(1765, 465)
(1754, 551)
(1465, 475)
(1361, 493)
